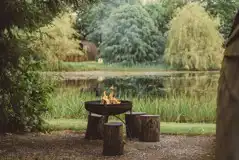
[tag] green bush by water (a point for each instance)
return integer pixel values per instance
(69, 103)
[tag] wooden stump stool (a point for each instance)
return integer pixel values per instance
(150, 128)
(95, 126)
(133, 124)
(113, 139)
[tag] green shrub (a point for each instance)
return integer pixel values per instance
(23, 93)
(194, 42)
(130, 37)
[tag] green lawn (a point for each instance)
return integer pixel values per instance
(94, 66)
(165, 128)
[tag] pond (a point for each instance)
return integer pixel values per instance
(176, 97)
(149, 85)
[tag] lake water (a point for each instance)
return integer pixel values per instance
(189, 84)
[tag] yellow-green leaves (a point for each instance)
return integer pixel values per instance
(194, 42)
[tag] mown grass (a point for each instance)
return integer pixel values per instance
(95, 66)
(69, 103)
(165, 128)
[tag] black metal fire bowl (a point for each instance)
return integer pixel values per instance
(108, 109)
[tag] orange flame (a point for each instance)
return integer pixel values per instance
(111, 98)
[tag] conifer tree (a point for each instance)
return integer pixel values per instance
(131, 37)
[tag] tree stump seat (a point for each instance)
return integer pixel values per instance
(113, 144)
(95, 126)
(133, 124)
(150, 128)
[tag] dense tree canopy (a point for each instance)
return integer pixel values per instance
(225, 10)
(56, 41)
(89, 23)
(23, 93)
(157, 13)
(131, 37)
(194, 42)
(163, 11)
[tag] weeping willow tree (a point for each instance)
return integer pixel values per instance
(23, 93)
(194, 42)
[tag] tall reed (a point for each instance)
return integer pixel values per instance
(69, 103)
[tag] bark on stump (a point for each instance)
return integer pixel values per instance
(150, 128)
(95, 126)
(133, 124)
(113, 140)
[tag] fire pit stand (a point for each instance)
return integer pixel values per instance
(105, 111)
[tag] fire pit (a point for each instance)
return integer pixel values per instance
(108, 109)
(109, 105)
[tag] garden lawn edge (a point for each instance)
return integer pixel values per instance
(169, 128)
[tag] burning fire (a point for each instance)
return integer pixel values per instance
(111, 98)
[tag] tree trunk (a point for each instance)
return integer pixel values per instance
(133, 124)
(227, 129)
(113, 139)
(95, 126)
(150, 128)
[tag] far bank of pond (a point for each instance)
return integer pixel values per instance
(111, 73)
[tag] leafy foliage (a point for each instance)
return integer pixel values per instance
(130, 37)
(225, 10)
(163, 11)
(57, 40)
(194, 42)
(23, 92)
(157, 13)
(89, 23)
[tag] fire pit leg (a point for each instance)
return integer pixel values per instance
(133, 124)
(125, 126)
(113, 139)
(95, 126)
(150, 128)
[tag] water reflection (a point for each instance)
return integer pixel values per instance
(186, 83)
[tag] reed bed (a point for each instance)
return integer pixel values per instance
(69, 103)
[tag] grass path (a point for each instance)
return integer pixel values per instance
(94, 66)
(165, 128)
